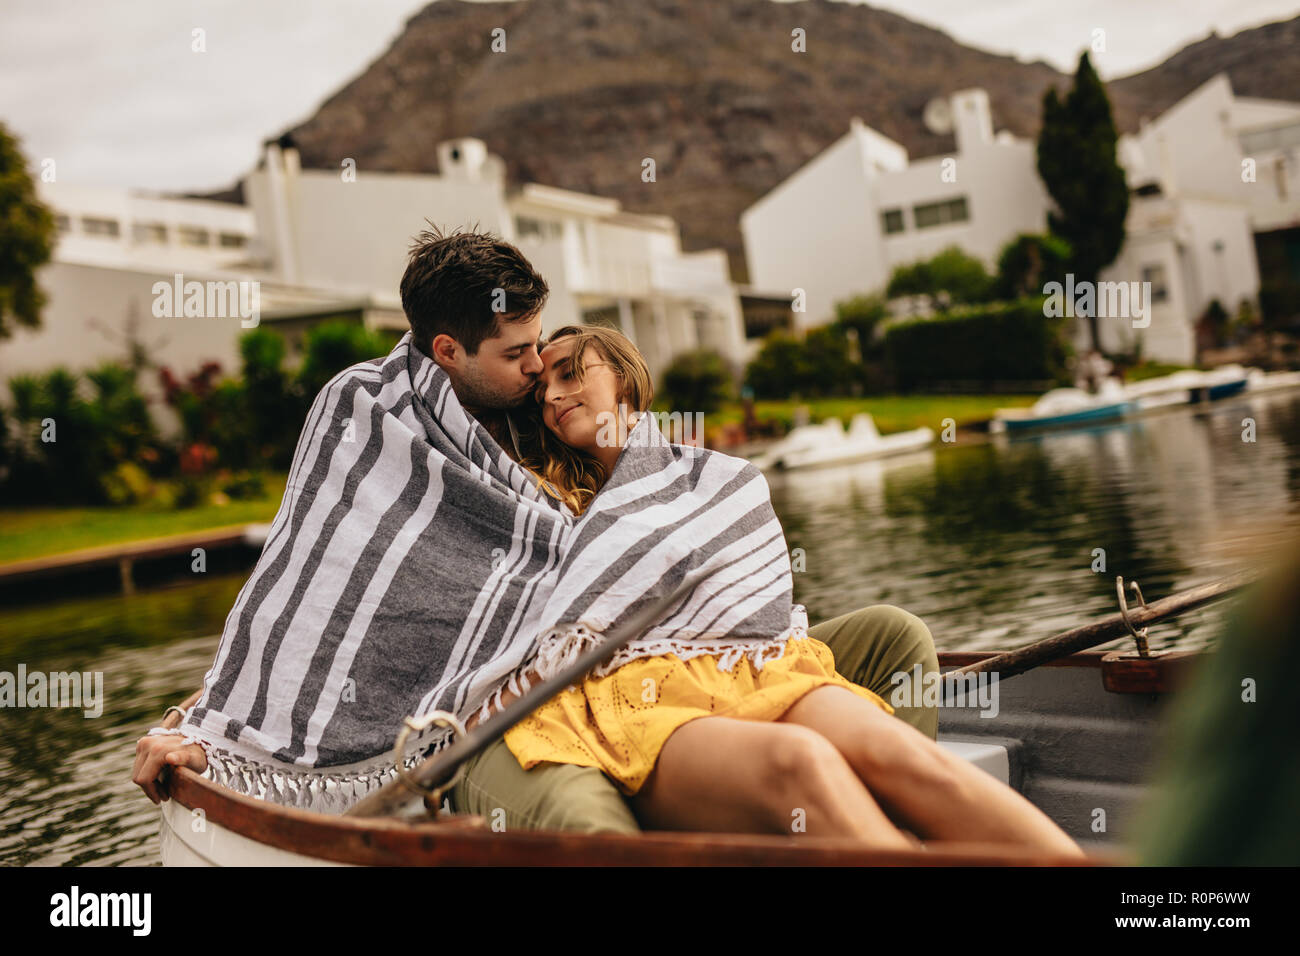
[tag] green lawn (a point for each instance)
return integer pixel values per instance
(892, 413)
(1147, 370)
(36, 532)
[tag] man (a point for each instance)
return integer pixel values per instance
(452, 294)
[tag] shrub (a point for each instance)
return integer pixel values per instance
(999, 342)
(862, 313)
(331, 347)
(96, 422)
(948, 278)
(779, 368)
(206, 414)
(696, 382)
(1028, 262)
(830, 368)
(273, 405)
(818, 364)
(127, 484)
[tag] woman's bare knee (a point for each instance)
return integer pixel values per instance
(800, 771)
(905, 758)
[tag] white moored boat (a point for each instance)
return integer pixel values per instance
(1064, 407)
(1165, 391)
(1257, 380)
(828, 444)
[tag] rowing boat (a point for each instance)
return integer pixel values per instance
(1076, 732)
(1034, 743)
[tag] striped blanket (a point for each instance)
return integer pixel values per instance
(414, 566)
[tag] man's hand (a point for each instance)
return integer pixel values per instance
(155, 754)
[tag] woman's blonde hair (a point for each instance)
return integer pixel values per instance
(564, 472)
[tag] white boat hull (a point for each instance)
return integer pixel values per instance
(188, 838)
(849, 451)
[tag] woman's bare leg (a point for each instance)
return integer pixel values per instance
(725, 775)
(921, 784)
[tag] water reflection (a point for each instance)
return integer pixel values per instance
(994, 544)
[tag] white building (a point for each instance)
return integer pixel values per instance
(842, 223)
(321, 243)
(319, 230)
(112, 247)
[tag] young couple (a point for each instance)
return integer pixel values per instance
(729, 714)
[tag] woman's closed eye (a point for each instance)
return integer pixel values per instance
(540, 393)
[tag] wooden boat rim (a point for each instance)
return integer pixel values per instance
(458, 842)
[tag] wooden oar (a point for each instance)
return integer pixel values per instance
(394, 796)
(1107, 629)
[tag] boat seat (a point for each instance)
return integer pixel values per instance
(987, 756)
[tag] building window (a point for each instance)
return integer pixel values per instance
(232, 240)
(1159, 284)
(149, 232)
(527, 227)
(62, 222)
(193, 236)
(941, 213)
(1266, 140)
(764, 315)
(892, 220)
(95, 226)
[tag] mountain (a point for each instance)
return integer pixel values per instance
(712, 91)
(1263, 62)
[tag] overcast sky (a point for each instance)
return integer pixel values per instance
(113, 92)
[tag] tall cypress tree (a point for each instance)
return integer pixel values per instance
(26, 240)
(1076, 161)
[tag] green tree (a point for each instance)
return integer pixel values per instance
(271, 401)
(948, 278)
(26, 240)
(862, 313)
(780, 369)
(696, 382)
(816, 364)
(1077, 163)
(331, 347)
(1028, 262)
(68, 434)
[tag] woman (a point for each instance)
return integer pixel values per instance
(696, 745)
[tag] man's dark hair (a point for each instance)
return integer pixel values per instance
(450, 287)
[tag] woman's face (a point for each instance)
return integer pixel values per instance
(577, 414)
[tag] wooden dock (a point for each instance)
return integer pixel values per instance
(125, 555)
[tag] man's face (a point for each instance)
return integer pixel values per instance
(504, 371)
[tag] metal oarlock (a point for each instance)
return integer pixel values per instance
(432, 798)
(1139, 636)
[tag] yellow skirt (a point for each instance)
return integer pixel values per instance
(620, 722)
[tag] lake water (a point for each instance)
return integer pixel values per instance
(991, 543)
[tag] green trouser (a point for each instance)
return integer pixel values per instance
(870, 646)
